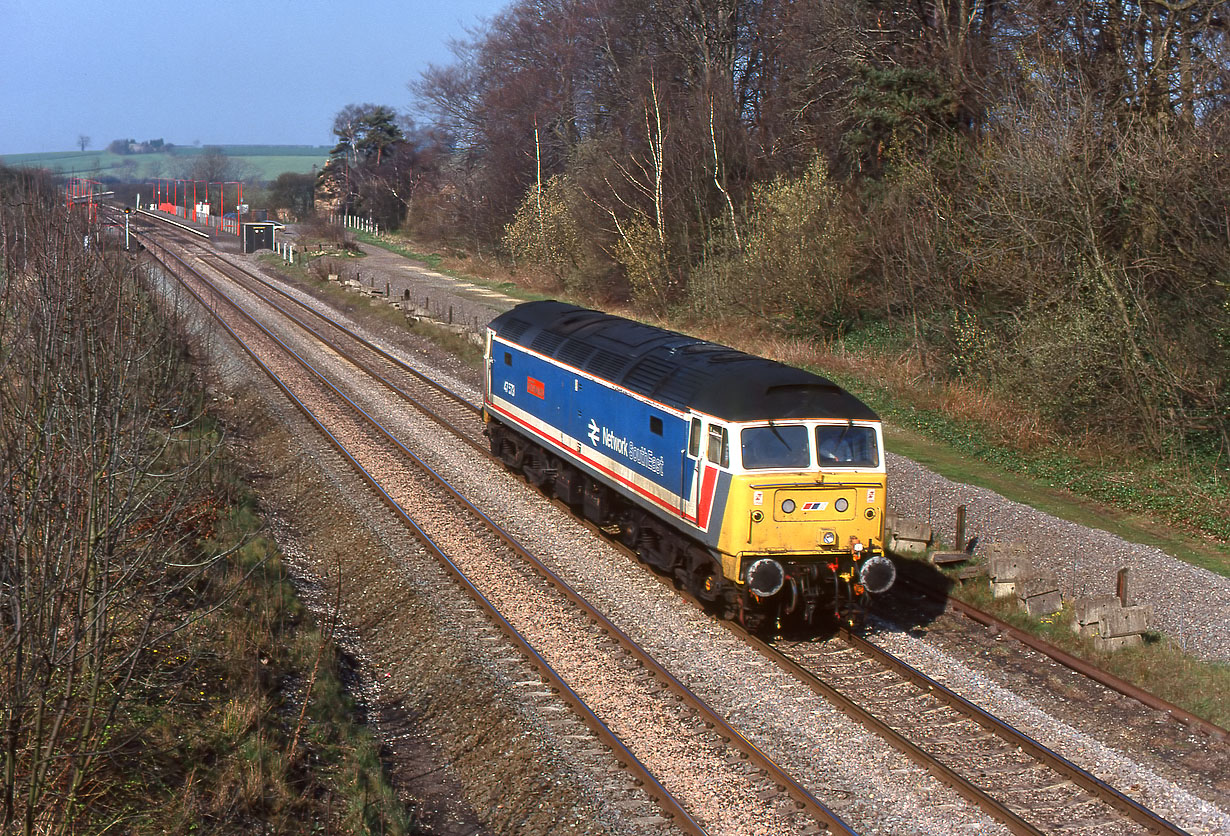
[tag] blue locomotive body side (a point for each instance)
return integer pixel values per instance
(632, 443)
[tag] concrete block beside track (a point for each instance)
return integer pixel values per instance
(906, 537)
(1039, 595)
(1008, 563)
(1088, 612)
(1125, 621)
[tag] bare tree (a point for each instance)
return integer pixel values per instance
(83, 141)
(101, 488)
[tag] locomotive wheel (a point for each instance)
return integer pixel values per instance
(505, 446)
(535, 468)
(700, 574)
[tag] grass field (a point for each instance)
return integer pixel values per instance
(256, 162)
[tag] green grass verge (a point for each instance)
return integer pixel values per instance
(213, 741)
(432, 260)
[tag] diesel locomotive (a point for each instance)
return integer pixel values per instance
(759, 487)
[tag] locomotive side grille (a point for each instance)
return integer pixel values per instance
(514, 329)
(679, 388)
(647, 374)
(575, 353)
(606, 364)
(547, 342)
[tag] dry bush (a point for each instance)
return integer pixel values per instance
(546, 237)
(330, 235)
(795, 267)
(99, 443)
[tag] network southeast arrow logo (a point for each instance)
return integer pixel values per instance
(595, 432)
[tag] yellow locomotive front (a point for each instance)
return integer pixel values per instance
(803, 531)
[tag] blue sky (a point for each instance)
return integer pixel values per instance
(213, 71)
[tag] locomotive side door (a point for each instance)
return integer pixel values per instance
(488, 360)
(693, 470)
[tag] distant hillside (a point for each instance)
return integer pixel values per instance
(259, 162)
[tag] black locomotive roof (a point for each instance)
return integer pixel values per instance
(674, 368)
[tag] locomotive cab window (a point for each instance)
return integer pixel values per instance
(847, 446)
(775, 446)
(719, 450)
(655, 425)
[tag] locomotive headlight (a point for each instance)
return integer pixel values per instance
(788, 506)
(841, 505)
(829, 538)
(765, 577)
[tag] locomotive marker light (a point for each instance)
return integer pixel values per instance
(841, 505)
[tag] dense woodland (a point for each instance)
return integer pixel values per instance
(1027, 196)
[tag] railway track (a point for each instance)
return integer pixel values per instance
(446, 407)
(1029, 788)
(623, 686)
(1022, 783)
